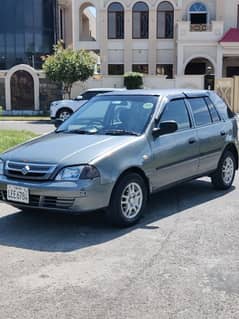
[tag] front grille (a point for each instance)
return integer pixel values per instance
(45, 201)
(30, 171)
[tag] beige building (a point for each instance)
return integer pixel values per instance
(177, 41)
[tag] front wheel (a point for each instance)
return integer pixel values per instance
(225, 173)
(64, 114)
(128, 200)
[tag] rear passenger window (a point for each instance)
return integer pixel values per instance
(200, 111)
(213, 111)
(176, 111)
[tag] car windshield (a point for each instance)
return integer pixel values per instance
(112, 115)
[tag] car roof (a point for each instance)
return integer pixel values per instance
(170, 93)
(105, 89)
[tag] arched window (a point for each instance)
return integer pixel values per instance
(115, 21)
(140, 20)
(165, 20)
(198, 14)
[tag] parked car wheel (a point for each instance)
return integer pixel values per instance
(225, 173)
(128, 200)
(64, 114)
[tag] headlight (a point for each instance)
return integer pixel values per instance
(74, 173)
(1, 167)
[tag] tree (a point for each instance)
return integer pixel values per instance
(68, 66)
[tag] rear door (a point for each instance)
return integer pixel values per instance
(210, 130)
(175, 155)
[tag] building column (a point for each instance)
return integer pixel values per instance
(180, 63)
(128, 41)
(75, 24)
(219, 66)
(152, 48)
(103, 39)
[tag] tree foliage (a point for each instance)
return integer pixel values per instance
(68, 66)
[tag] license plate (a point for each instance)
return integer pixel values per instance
(17, 194)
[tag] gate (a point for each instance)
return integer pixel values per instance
(228, 89)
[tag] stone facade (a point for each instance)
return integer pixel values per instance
(2, 93)
(49, 91)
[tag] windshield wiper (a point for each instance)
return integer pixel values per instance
(78, 131)
(121, 132)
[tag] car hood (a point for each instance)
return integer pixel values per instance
(66, 149)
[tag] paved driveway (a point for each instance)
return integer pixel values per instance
(181, 261)
(38, 127)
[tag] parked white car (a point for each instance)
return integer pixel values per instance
(63, 109)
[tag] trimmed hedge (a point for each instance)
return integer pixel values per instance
(133, 80)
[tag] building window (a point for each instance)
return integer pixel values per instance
(27, 32)
(62, 24)
(165, 20)
(141, 68)
(140, 21)
(116, 69)
(198, 15)
(115, 21)
(165, 69)
(238, 17)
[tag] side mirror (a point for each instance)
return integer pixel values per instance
(165, 128)
(79, 97)
(58, 123)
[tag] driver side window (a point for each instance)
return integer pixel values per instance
(176, 110)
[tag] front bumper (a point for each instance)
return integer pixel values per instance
(85, 195)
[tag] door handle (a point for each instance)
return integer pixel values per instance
(192, 140)
(223, 133)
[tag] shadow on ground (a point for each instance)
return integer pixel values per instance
(63, 233)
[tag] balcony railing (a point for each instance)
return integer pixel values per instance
(200, 32)
(200, 27)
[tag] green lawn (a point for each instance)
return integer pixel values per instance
(11, 138)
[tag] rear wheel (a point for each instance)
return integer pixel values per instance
(225, 173)
(128, 200)
(64, 114)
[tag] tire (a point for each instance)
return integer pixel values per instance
(126, 207)
(64, 114)
(223, 177)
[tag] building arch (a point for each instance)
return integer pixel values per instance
(36, 82)
(87, 21)
(200, 57)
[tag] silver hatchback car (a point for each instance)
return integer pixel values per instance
(119, 148)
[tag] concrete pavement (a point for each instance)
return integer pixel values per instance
(38, 127)
(181, 261)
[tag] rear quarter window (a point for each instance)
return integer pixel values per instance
(200, 111)
(223, 109)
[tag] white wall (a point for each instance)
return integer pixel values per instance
(150, 82)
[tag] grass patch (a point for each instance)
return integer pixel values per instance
(11, 138)
(24, 118)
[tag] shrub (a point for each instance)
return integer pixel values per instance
(133, 80)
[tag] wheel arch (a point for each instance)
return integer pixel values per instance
(232, 148)
(137, 170)
(68, 108)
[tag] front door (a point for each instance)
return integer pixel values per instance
(175, 155)
(22, 91)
